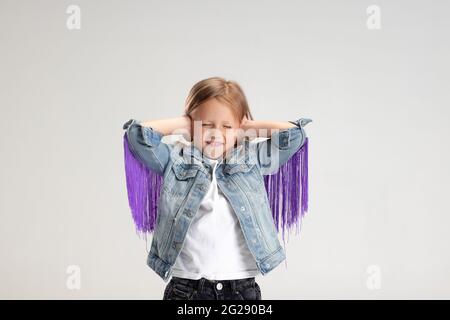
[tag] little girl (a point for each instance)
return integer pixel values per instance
(214, 230)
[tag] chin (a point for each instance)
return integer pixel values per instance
(211, 156)
(214, 154)
(218, 152)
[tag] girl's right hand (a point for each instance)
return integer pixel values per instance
(188, 127)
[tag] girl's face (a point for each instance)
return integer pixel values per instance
(214, 128)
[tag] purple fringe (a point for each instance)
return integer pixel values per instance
(144, 187)
(287, 190)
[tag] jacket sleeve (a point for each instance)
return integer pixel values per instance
(145, 144)
(281, 146)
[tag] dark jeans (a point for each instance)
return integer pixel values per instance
(204, 289)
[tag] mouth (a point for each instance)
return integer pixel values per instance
(214, 143)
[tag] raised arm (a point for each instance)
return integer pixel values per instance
(286, 138)
(169, 126)
(144, 140)
(264, 128)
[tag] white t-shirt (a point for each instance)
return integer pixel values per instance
(215, 247)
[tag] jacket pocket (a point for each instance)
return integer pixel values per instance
(180, 179)
(185, 171)
(247, 175)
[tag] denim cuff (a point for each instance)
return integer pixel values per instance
(301, 122)
(150, 136)
(128, 123)
(285, 136)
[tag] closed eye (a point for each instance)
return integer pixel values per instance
(208, 124)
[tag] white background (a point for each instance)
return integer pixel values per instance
(378, 152)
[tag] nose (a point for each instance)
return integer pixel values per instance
(215, 135)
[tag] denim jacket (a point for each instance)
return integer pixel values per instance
(187, 177)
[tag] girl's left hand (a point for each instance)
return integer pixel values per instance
(244, 122)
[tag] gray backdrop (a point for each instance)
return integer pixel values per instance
(374, 80)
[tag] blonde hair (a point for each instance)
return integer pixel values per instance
(226, 91)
